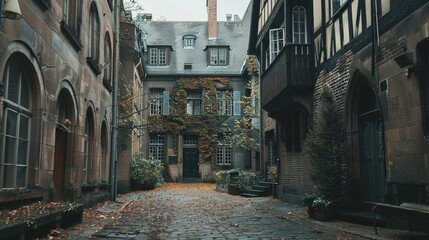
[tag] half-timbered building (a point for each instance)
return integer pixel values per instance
(372, 55)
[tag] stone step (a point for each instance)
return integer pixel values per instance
(248, 195)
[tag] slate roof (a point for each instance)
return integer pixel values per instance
(234, 34)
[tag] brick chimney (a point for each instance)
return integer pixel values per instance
(212, 18)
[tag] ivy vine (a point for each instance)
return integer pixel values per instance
(178, 120)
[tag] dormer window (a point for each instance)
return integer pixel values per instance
(189, 42)
(218, 56)
(158, 55)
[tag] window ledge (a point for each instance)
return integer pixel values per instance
(93, 65)
(107, 85)
(71, 36)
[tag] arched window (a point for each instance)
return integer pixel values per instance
(299, 25)
(15, 134)
(87, 147)
(104, 157)
(94, 34)
(107, 61)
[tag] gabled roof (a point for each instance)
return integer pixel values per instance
(232, 34)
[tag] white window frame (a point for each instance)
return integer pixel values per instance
(157, 146)
(16, 135)
(189, 42)
(277, 42)
(224, 102)
(156, 101)
(299, 25)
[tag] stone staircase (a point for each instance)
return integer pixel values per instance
(261, 189)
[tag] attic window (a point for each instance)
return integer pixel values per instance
(187, 66)
(189, 41)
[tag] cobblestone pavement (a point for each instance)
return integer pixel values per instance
(198, 211)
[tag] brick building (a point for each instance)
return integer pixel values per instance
(373, 57)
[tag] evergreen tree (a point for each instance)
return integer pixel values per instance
(326, 146)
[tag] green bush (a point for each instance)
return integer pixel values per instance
(243, 180)
(146, 172)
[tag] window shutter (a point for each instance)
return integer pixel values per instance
(237, 105)
(166, 103)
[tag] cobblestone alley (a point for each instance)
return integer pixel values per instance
(198, 211)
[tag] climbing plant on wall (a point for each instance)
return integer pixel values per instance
(178, 120)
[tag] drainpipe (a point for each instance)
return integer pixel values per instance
(113, 153)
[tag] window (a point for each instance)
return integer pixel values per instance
(70, 24)
(224, 102)
(156, 101)
(156, 146)
(218, 56)
(94, 33)
(94, 36)
(15, 134)
(276, 42)
(190, 141)
(87, 139)
(107, 61)
(224, 151)
(158, 56)
(194, 105)
(189, 42)
(299, 25)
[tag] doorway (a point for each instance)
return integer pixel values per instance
(190, 156)
(371, 146)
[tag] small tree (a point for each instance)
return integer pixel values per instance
(326, 146)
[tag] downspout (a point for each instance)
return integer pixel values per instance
(113, 153)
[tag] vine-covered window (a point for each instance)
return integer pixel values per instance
(224, 151)
(156, 146)
(156, 101)
(159, 101)
(224, 102)
(194, 105)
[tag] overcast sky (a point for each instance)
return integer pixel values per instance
(191, 10)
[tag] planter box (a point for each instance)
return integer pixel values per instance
(320, 213)
(72, 217)
(13, 231)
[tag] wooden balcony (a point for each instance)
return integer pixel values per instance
(289, 75)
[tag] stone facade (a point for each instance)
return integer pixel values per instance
(64, 94)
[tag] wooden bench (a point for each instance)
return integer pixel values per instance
(410, 211)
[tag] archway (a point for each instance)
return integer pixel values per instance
(63, 129)
(367, 139)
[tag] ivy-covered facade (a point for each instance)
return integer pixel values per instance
(194, 86)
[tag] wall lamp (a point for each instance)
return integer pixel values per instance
(405, 60)
(11, 10)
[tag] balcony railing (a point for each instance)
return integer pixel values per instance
(292, 70)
